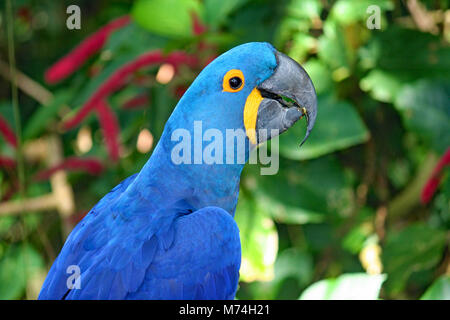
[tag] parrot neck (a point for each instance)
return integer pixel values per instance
(199, 185)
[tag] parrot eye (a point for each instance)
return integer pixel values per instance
(233, 81)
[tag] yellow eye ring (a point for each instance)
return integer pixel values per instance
(233, 81)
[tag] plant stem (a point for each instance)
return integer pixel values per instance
(409, 198)
(14, 97)
(18, 127)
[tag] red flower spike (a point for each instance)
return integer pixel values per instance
(180, 90)
(9, 193)
(88, 47)
(78, 118)
(135, 102)
(110, 128)
(24, 13)
(12, 190)
(89, 165)
(433, 183)
(198, 27)
(142, 80)
(7, 132)
(179, 58)
(7, 162)
(119, 77)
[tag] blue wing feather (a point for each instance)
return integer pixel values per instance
(202, 263)
(170, 254)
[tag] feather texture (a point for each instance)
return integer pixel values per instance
(168, 232)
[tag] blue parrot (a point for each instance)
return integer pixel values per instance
(168, 232)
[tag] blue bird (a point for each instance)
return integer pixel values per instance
(168, 232)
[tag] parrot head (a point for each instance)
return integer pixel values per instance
(252, 90)
(252, 87)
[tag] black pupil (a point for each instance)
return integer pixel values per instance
(235, 82)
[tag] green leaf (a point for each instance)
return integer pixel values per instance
(217, 11)
(41, 119)
(6, 111)
(6, 222)
(418, 247)
(301, 45)
(132, 39)
(256, 21)
(383, 86)
(320, 75)
(122, 53)
(355, 239)
(352, 286)
(259, 240)
(299, 15)
(440, 213)
(338, 126)
(425, 108)
(18, 264)
(294, 263)
(406, 54)
(304, 8)
(397, 57)
(350, 11)
(439, 290)
(301, 192)
(169, 17)
(163, 102)
(335, 51)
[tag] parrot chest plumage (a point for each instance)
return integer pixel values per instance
(145, 240)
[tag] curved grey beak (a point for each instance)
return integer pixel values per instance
(288, 95)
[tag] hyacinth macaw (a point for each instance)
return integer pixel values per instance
(168, 231)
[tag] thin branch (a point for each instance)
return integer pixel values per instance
(61, 199)
(410, 196)
(26, 84)
(41, 203)
(15, 98)
(422, 18)
(60, 187)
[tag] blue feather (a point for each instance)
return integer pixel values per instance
(168, 232)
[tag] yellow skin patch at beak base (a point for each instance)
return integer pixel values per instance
(250, 114)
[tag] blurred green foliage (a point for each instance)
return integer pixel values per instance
(342, 219)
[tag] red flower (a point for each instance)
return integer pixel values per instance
(24, 13)
(120, 76)
(110, 128)
(135, 102)
(90, 165)
(180, 90)
(7, 162)
(9, 193)
(7, 132)
(433, 183)
(97, 101)
(88, 47)
(197, 26)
